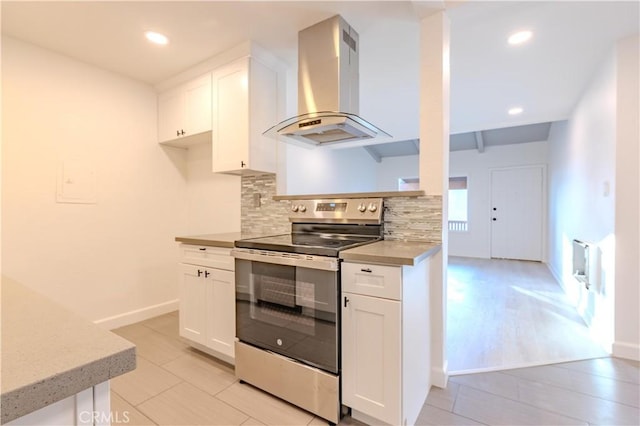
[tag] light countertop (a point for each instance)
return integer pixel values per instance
(50, 353)
(391, 252)
(379, 194)
(224, 240)
(388, 251)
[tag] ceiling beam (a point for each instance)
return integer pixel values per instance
(373, 153)
(416, 143)
(479, 142)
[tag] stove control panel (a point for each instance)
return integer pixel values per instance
(352, 210)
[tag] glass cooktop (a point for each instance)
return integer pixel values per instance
(315, 244)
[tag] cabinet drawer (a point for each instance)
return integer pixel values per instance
(213, 257)
(372, 280)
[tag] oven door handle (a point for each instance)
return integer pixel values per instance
(311, 262)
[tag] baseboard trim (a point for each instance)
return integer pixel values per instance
(626, 350)
(440, 376)
(138, 315)
(522, 365)
(556, 275)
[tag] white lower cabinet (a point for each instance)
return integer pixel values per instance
(207, 302)
(385, 341)
(371, 356)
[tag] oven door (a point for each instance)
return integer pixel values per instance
(288, 304)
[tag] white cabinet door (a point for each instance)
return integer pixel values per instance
(207, 299)
(192, 303)
(185, 112)
(171, 114)
(372, 280)
(230, 142)
(221, 312)
(245, 104)
(371, 356)
(197, 94)
(213, 257)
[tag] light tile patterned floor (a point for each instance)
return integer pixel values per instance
(177, 385)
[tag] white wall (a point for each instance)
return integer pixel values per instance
(340, 170)
(627, 216)
(325, 170)
(213, 199)
(388, 95)
(104, 259)
(581, 164)
(390, 169)
(477, 167)
(593, 179)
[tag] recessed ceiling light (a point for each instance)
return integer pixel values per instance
(156, 38)
(519, 37)
(515, 111)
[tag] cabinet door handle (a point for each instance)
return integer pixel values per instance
(242, 164)
(366, 270)
(346, 301)
(182, 131)
(202, 248)
(177, 132)
(199, 272)
(206, 273)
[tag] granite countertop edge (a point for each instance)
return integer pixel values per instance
(28, 391)
(392, 252)
(223, 240)
(34, 396)
(389, 252)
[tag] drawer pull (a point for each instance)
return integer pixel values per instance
(202, 248)
(366, 270)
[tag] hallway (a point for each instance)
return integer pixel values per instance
(510, 314)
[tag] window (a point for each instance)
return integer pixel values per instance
(458, 204)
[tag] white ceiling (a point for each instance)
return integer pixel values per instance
(544, 76)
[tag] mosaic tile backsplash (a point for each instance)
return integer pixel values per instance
(405, 218)
(413, 218)
(259, 213)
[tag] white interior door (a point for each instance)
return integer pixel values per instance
(516, 213)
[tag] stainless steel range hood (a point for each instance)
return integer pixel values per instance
(328, 88)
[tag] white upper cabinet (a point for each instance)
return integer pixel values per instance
(184, 113)
(245, 104)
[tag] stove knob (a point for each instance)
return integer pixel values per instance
(294, 208)
(373, 207)
(302, 208)
(362, 208)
